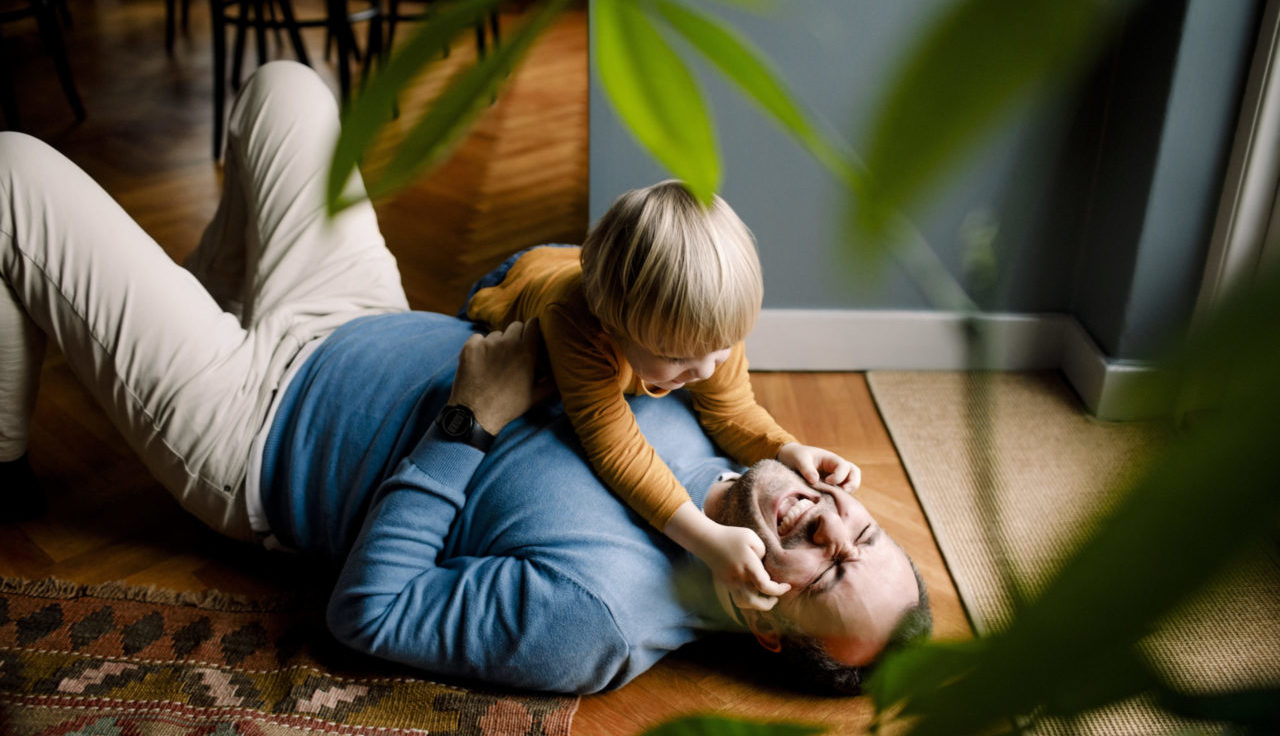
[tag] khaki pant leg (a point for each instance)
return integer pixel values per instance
(174, 372)
(301, 268)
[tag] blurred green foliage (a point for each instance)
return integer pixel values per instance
(449, 115)
(645, 77)
(975, 62)
(1203, 503)
(1208, 500)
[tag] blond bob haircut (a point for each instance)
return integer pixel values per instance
(677, 278)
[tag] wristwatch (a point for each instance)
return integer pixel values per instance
(458, 424)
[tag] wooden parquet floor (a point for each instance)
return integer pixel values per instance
(518, 179)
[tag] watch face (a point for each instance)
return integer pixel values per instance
(456, 421)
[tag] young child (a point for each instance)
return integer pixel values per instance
(659, 297)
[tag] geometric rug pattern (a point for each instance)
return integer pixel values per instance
(116, 660)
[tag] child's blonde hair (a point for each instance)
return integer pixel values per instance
(679, 279)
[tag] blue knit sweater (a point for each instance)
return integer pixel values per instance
(516, 567)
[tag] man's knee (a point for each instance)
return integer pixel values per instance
(28, 164)
(288, 72)
(20, 152)
(287, 86)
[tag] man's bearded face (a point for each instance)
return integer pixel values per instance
(850, 583)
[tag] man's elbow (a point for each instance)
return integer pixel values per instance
(580, 666)
(354, 619)
(569, 680)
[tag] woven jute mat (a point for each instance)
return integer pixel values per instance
(126, 660)
(1055, 469)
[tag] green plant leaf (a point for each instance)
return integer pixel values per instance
(452, 112)
(707, 725)
(974, 64)
(753, 6)
(920, 668)
(1118, 675)
(655, 95)
(375, 105)
(1257, 709)
(1204, 502)
(744, 66)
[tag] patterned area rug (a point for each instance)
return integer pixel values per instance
(116, 660)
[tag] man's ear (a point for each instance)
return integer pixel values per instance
(765, 629)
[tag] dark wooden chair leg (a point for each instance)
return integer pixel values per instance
(494, 30)
(272, 22)
(8, 97)
(295, 35)
(171, 20)
(237, 51)
(338, 26)
(170, 13)
(260, 29)
(218, 11)
(393, 17)
(257, 16)
(373, 45)
(47, 21)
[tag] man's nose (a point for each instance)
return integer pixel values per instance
(831, 532)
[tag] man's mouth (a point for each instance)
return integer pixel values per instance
(791, 510)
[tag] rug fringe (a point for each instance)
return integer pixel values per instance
(116, 590)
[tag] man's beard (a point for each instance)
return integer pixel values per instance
(742, 504)
(740, 508)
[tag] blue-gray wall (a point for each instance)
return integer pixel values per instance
(1104, 192)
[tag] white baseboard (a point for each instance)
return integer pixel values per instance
(863, 340)
(1112, 389)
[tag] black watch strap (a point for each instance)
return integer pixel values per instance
(458, 424)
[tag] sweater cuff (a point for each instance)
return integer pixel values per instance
(447, 461)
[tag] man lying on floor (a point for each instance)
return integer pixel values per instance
(286, 395)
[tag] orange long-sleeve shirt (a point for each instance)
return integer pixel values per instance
(593, 378)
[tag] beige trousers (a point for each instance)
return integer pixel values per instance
(186, 362)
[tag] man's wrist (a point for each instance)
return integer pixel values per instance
(457, 423)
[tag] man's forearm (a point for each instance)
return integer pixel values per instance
(503, 619)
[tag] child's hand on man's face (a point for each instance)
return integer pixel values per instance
(735, 557)
(817, 465)
(733, 553)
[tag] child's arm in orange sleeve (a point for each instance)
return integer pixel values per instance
(586, 372)
(727, 409)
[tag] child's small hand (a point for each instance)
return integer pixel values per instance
(732, 552)
(816, 465)
(746, 597)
